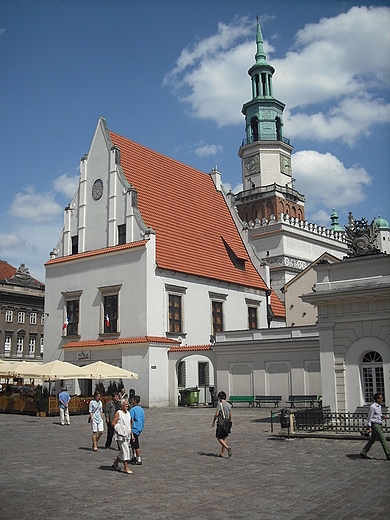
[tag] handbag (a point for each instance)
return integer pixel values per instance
(226, 423)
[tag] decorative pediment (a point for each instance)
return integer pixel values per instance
(360, 237)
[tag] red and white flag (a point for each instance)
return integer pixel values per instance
(107, 320)
(66, 323)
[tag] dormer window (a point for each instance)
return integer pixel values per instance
(239, 263)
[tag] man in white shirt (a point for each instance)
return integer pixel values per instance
(374, 422)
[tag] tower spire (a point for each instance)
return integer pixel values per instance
(260, 54)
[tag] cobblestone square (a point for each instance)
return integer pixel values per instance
(50, 471)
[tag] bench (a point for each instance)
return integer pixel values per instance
(275, 399)
(250, 399)
(302, 399)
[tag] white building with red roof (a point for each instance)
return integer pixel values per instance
(143, 265)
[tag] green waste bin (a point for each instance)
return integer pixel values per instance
(189, 396)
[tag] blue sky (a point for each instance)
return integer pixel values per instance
(172, 76)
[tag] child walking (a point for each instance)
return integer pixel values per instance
(137, 415)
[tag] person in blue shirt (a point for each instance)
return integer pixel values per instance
(374, 423)
(64, 399)
(137, 415)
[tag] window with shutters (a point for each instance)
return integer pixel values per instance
(181, 374)
(252, 317)
(203, 374)
(217, 317)
(175, 324)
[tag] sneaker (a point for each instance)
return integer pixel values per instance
(138, 462)
(133, 460)
(363, 456)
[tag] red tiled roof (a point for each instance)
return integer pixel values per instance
(189, 216)
(118, 341)
(185, 348)
(6, 270)
(103, 251)
(277, 306)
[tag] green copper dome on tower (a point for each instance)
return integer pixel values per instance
(381, 223)
(335, 222)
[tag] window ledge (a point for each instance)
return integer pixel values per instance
(71, 336)
(109, 335)
(176, 335)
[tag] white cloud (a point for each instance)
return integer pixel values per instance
(10, 242)
(35, 207)
(332, 79)
(2, 31)
(228, 187)
(66, 185)
(208, 150)
(327, 182)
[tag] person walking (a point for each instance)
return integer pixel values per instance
(122, 426)
(374, 423)
(223, 416)
(96, 419)
(110, 410)
(137, 415)
(64, 399)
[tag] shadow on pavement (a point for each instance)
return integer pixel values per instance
(207, 454)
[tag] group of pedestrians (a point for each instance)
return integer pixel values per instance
(124, 426)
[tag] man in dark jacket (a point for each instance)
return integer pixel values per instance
(110, 410)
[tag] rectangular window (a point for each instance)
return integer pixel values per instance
(31, 348)
(41, 347)
(252, 317)
(72, 321)
(21, 317)
(7, 346)
(217, 317)
(175, 313)
(75, 245)
(122, 234)
(181, 374)
(8, 316)
(111, 314)
(33, 318)
(43, 318)
(203, 374)
(19, 347)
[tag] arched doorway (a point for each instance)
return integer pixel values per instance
(196, 371)
(372, 375)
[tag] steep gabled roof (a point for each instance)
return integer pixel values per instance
(195, 232)
(6, 270)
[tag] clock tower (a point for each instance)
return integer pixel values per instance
(268, 185)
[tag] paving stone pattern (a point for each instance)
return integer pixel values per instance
(50, 471)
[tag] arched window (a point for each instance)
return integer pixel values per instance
(293, 212)
(255, 130)
(372, 376)
(270, 210)
(278, 129)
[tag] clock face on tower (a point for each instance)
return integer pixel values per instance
(285, 164)
(252, 165)
(97, 189)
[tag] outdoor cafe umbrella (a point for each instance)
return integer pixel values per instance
(8, 369)
(52, 371)
(101, 370)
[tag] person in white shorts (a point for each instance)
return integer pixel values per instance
(96, 419)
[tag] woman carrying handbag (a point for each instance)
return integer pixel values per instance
(123, 433)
